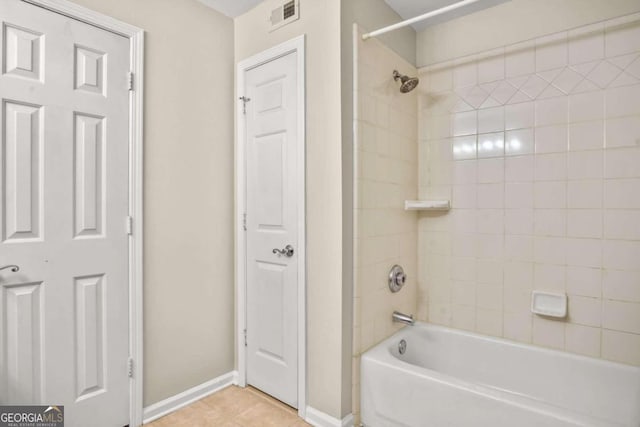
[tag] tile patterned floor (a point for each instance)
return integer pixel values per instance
(233, 407)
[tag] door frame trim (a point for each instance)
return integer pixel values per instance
(136, 140)
(296, 44)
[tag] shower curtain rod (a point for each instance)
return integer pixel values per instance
(417, 19)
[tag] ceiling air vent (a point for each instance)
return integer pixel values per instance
(285, 14)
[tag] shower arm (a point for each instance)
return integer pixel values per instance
(418, 18)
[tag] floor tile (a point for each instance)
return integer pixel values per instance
(233, 407)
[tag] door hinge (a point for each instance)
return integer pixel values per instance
(129, 225)
(245, 337)
(130, 80)
(244, 221)
(130, 367)
(244, 100)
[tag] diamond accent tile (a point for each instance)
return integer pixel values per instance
(489, 87)
(460, 106)
(550, 75)
(490, 102)
(567, 80)
(534, 86)
(586, 68)
(503, 92)
(585, 86)
(519, 97)
(624, 79)
(474, 96)
(517, 82)
(448, 101)
(634, 68)
(604, 74)
(550, 92)
(623, 61)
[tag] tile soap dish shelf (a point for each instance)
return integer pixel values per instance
(549, 304)
(427, 205)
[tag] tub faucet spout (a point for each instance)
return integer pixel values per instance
(407, 319)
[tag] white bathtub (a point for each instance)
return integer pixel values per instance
(452, 378)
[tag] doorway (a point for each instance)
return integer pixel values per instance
(271, 223)
(70, 297)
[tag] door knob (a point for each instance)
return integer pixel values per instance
(287, 251)
(14, 268)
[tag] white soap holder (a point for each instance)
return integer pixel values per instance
(549, 304)
(427, 205)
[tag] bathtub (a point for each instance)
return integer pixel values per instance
(453, 378)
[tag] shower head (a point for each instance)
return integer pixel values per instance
(407, 83)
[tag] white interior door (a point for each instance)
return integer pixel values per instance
(273, 197)
(64, 322)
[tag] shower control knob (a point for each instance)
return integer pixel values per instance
(397, 278)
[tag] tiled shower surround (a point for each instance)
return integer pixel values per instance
(537, 145)
(386, 174)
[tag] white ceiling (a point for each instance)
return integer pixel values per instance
(405, 8)
(231, 8)
(411, 8)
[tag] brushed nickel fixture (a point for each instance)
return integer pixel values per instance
(407, 83)
(402, 346)
(397, 278)
(398, 317)
(14, 268)
(287, 251)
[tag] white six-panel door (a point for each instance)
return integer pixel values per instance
(273, 194)
(64, 318)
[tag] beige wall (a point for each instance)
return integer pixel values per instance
(511, 22)
(372, 15)
(320, 21)
(188, 288)
(386, 176)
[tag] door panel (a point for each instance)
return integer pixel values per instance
(89, 189)
(22, 178)
(22, 328)
(89, 335)
(272, 206)
(64, 326)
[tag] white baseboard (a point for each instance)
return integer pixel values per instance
(173, 403)
(320, 419)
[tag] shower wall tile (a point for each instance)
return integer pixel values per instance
(490, 120)
(387, 154)
(620, 346)
(584, 281)
(622, 224)
(622, 163)
(583, 340)
(621, 285)
(551, 139)
(520, 59)
(551, 52)
(623, 132)
(585, 107)
(544, 179)
(585, 223)
(586, 44)
(465, 73)
(586, 136)
(551, 111)
(519, 169)
(491, 66)
(518, 116)
(585, 164)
